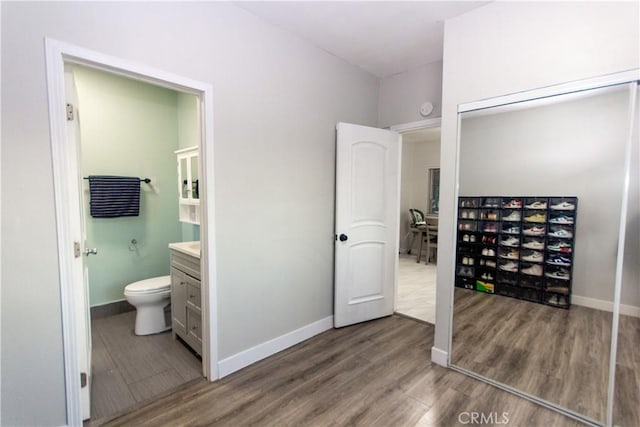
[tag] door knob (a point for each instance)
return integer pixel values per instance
(343, 237)
(93, 251)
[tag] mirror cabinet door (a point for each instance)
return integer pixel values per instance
(183, 178)
(525, 330)
(195, 181)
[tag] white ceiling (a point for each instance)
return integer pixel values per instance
(381, 37)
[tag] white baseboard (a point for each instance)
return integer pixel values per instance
(598, 304)
(439, 357)
(261, 351)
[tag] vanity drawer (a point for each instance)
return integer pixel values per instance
(193, 294)
(194, 333)
(185, 263)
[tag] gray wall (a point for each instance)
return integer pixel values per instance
(401, 95)
(508, 47)
(417, 158)
(276, 102)
(573, 148)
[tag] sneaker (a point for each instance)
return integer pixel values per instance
(472, 215)
(553, 300)
(490, 228)
(484, 252)
(534, 231)
(471, 261)
(533, 244)
(558, 289)
(559, 260)
(512, 254)
(510, 241)
(511, 230)
(509, 266)
(465, 238)
(561, 273)
(472, 238)
(560, 247)
(534, 270)
(537, 205)
(491, 263)
(534, 256)
(513, 216)
(465, 261)
(561, 232)
(513, 204)
(562, 219)
(537, 217)
(563, 206)
(491, 252)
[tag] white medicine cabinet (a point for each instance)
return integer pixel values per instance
(188, 185)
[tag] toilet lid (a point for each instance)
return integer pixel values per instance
(155, 284)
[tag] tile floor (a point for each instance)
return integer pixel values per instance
(416, 289)
(129, 369)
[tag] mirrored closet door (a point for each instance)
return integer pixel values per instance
(541, 184)
(626, 395)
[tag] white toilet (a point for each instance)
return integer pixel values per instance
(150, 297)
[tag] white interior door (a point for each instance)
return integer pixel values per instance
(80, 272)
(367, 223)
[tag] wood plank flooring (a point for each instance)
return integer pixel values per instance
(129, 369)
(376, 373)
(416, 289)
(559, 355)
(626, 404)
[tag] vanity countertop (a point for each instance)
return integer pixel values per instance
(187, 248)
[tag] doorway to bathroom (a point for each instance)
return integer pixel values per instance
(128, 120)
(129, 128)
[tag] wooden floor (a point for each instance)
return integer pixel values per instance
(416, 289)
(559, 355)
(129, 369)
(376, 373)
(626, 406)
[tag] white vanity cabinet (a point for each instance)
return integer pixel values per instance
(189, 185)
(186, 311)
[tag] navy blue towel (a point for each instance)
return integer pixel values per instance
(114, 196)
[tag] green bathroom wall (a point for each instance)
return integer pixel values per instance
(188, 136)
(129, 128)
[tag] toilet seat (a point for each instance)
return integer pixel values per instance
(149, 286)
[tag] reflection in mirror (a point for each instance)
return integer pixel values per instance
(626, 401)
(541, 183)
(183, 177)
(195, 182)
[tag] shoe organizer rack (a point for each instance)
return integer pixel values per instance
(520, 247)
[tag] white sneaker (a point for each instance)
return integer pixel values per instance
(534, 256)
(564, 206)
(534, 270)
(510, 241)
(533, 244)
(513, 216)
(509, 266)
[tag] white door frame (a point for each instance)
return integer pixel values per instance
(63, 153)
(403, 128)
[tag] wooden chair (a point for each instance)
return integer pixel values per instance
(430, 237)
(416, 219)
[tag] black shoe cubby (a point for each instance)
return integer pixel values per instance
(517, 246)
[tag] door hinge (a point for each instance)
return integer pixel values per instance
(69, 112)
(83, 379)
(76, 249)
